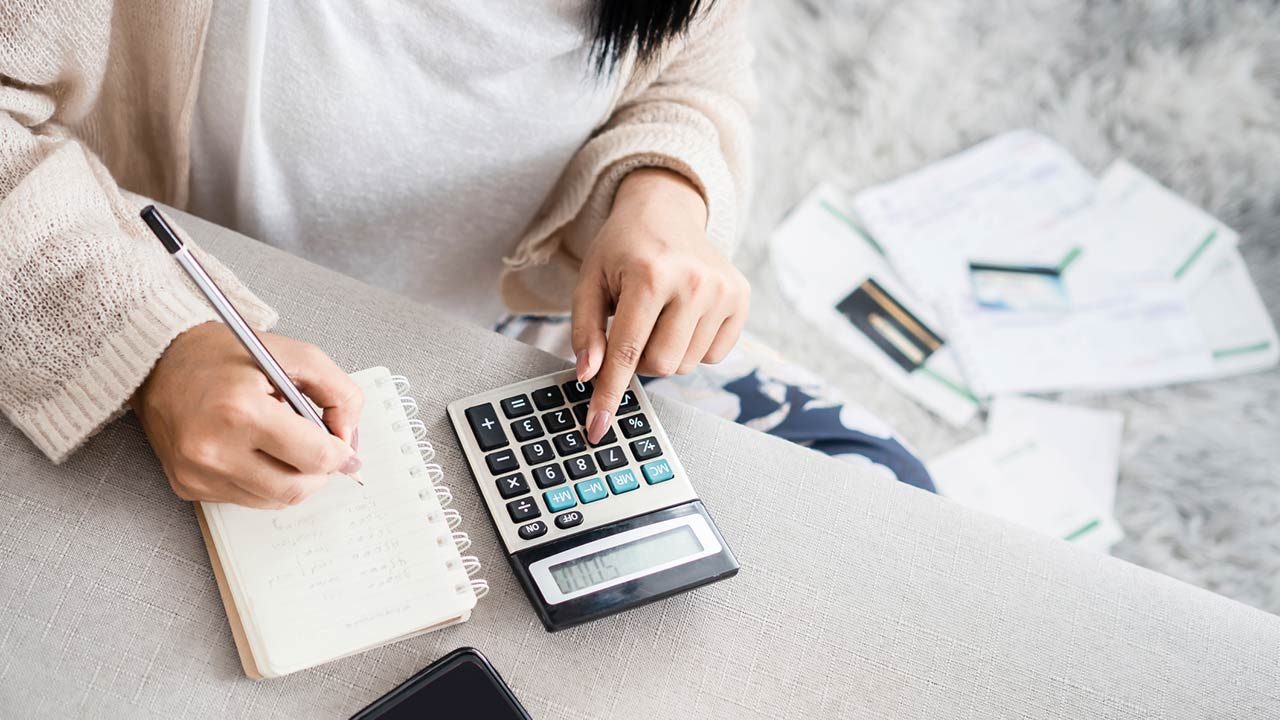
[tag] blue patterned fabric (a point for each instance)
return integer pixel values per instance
(758, 388)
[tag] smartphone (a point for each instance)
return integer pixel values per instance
(461, 684)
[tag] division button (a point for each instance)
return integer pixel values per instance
(523, 509)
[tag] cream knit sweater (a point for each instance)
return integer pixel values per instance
(95, 93)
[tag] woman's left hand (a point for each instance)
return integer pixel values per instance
(675, 299)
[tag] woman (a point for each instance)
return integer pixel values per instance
(406, 144)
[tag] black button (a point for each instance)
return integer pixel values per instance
(558, 421)
(514, 407)
(538, 452)
(512, 485)
(629, 403)
(548, 475)
(568, 520)
(580, 412)
(609, 438)
(645, 448)
(570, 443)
(610, 458)
(526, 429)
(579, 467)
(635, 425)
(501, 462)
(537, 528)
(548, 397)
(485, 426)
(523, 509)
(577, 391)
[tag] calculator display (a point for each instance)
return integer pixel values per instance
(626, 559)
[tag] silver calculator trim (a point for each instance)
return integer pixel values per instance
(613, 508)
(540, 570)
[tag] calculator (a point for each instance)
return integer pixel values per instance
(590, 530)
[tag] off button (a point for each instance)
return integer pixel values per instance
(568, 520)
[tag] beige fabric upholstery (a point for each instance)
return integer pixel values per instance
(857, 598)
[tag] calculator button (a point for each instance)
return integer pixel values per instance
(526, 429)
(591, 490)
(577, 391)
(538, 452)
(485, 426)
(548, 397)
(514, 407)
(502, 462)
(537, 528)
(559, 499)
(635, 425)
(645, 448)
(608, 438)
(559, 420)
(523, 509)
(579, 467)
(568, 520)
(610, 458)
(657, 471)
(629, 404)
(510, 486)
(548, 475)
(622, 481)
(580, 412)
(570, 443)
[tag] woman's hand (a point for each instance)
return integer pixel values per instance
(676, 300)
(224, 435)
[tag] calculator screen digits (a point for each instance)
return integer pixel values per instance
(636, 556)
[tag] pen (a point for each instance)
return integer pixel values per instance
(276, 374)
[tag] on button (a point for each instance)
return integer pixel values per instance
(537, 528)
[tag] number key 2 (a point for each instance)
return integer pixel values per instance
(558, 421)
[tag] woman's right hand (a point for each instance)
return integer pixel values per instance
(222, 432)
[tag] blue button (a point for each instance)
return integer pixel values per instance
(622, 481)
(591, 490)
(559, 499)
(656, 472)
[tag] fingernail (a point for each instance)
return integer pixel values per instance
(355, 439)
(352, 464)
(584, 364)
(597, 427)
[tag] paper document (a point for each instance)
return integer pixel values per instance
(998, 202)
(1048, 467)
(838, 280)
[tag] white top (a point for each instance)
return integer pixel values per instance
(407, 146)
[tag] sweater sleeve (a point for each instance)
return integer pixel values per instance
(88, 299)
(689, 115)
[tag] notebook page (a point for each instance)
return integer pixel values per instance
(351, 567)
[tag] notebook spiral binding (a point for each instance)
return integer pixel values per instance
(433, 473)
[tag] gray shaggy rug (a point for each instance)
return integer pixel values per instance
(862, 91)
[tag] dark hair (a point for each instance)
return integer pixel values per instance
(620, 26)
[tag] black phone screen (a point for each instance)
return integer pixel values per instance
(462, 684)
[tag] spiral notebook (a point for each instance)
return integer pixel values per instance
(352, 567)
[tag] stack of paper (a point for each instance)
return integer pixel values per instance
(1044, 465)
(1048, 280)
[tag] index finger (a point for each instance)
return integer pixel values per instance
(325, 383)
(632, 324)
